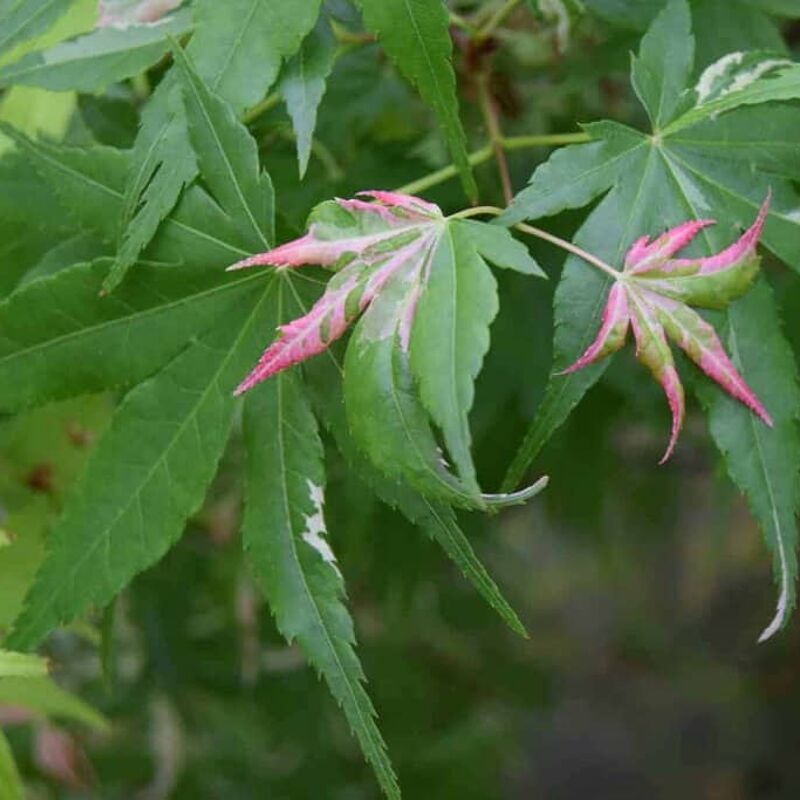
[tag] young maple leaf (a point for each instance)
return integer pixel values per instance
(652, 296)
(367, 243)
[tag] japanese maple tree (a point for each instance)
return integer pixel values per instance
(228, 305)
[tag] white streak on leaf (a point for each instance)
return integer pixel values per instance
(733, 73)
(751, 76)
(315, 526)
(711, 74)
(783, 599)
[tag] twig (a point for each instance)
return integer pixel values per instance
(270, 101)
(487, 151)
(497, 19)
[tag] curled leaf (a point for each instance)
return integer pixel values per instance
(366, 243)
(426, 298)
(653, 295)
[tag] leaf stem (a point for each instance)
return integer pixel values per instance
(547, 237)
(487, 151)
(445, 173)
(270, 101)
(457, 21)
(544, 140)
(570, 247)
(497, 19)
(348, 37)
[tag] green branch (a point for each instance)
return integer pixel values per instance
(487, 151)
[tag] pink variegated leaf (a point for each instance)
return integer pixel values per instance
(700, 342)
(423, 289)
(347, 295)
(613, 330)
(310, 334)
(710, 282)
(366, 242)
(653, 351)
(653, 294)
(644, 254)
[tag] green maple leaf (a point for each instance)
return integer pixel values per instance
(415, 34)
(95, 60)
(707, 150)
(228, 39)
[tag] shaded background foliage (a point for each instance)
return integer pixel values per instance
(643, 589)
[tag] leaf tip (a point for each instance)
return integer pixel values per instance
(673, 389)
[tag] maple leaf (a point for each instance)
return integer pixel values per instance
(652, 296)
(394, 237)
(366, 243)
(400, 264)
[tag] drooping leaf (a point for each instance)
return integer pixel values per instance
(396, 434)
(436, 519)
(286, 540)
(450, 339)
(440, 524)
(302, 86)
(229, 38)
(415, 34)
(424, 290)
(760, 461)
(95, 60)
(148, 473)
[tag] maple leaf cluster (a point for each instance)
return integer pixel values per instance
(651, 296)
